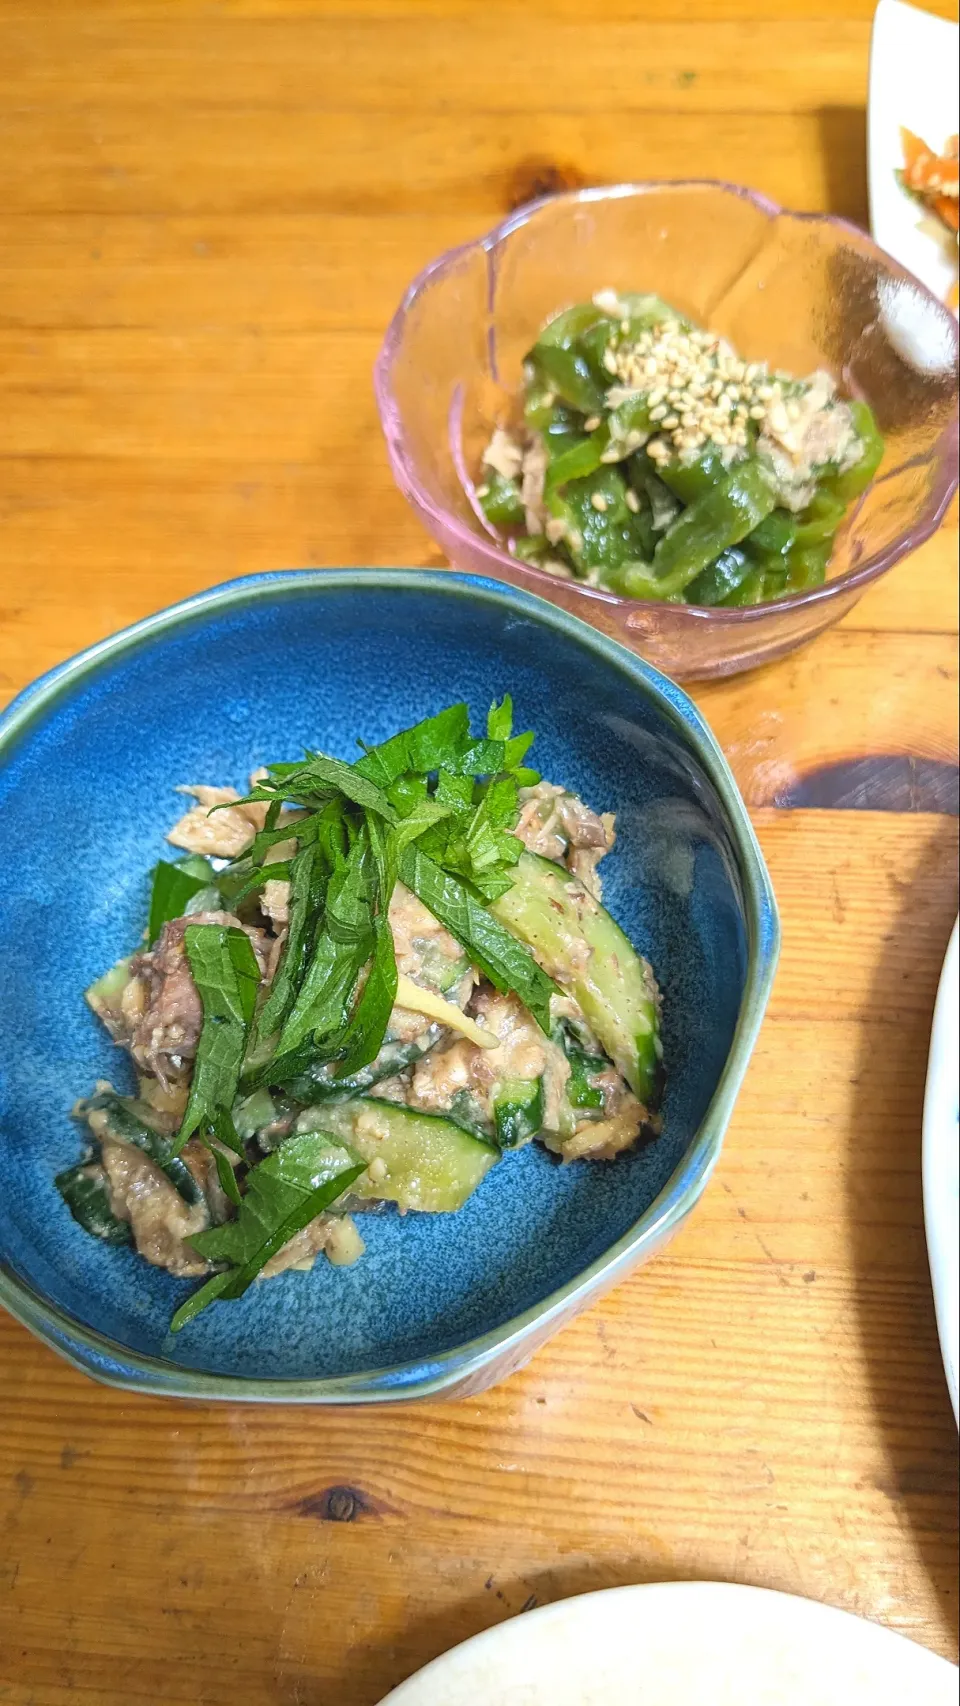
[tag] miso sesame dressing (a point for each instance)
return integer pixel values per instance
(651, 460)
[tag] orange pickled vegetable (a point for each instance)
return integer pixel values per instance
(935, 180)
(931, 175)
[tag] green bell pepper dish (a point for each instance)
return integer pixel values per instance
(657, 464)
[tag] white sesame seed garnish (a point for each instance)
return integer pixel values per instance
(607, 301)
(698, 390)
(633, 502)
(598, 501)
(591, 423)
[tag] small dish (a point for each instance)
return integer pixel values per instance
(941, 1164)
(250, 671)
(914, 83)
(673, 1643)
(798, 290)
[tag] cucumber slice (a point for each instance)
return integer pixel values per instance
(124, 1124)
(106, 994)
(419, 1161)
(549, 910)
(253, 1112)
(518, 1111)
(581, 1094)
(84, 1190)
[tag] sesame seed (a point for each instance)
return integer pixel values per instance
(598, 501)
(609, 361)
(591, 423)
(659, 412)
(633, 502)
(757, 412)
(671, 423)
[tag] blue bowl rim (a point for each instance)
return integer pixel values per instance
(114, 1363)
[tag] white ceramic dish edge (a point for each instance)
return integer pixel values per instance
(914, 81)
(673, 1643)
(941, 1164)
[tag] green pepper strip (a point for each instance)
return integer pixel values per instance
(752, 590)
(774, 535)
(806, 568)
(721, 578)
(501, 501)
(718, 519)
(820, 520)
(531, 547)
(578, 460)
(599, 539)
(854, 480)
(558, 354)
(689, 480)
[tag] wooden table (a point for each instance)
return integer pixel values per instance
(208, 212)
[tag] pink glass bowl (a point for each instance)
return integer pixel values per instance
(798, 290)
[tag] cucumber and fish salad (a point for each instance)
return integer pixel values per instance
(362, 984)
(646, 458)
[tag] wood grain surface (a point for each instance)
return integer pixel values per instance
(208, 211)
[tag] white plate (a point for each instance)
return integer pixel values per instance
(684, 1644)
(941, 1162)
(914, 81)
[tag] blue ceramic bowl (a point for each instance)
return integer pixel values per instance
(254, 670)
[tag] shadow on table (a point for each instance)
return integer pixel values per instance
(894, 1300)
(843, 149)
